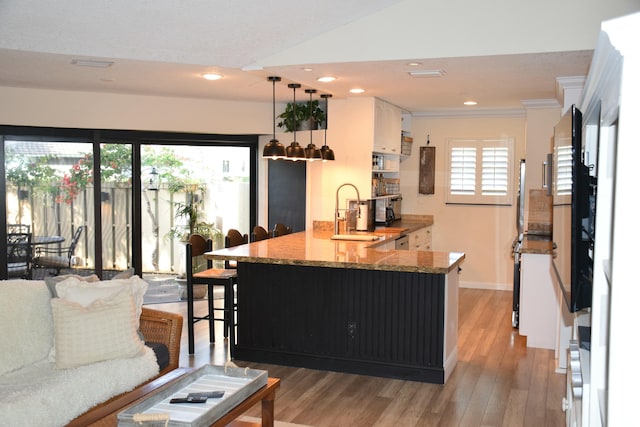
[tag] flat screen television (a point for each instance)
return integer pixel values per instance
(573, 191)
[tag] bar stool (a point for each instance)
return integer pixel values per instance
(281, 230)
(226, 277)
(259, 233)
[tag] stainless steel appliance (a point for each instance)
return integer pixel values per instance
(396, 205)
(516, 247)
(385, 214)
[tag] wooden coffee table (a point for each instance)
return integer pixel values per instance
(108, 412)
(266, 394)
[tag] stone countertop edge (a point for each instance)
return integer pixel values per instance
(537, 245)
(315, 248)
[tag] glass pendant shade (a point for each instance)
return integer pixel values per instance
(274, 149)
(294, 150)
(326, 152)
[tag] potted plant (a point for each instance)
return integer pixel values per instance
(308, 115)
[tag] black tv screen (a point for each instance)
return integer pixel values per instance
(573, 213)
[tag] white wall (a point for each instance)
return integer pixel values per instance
(484, 233)
(36, 107)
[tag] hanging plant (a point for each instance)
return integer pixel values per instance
(313, 116)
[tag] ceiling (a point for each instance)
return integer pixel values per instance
(162, 48)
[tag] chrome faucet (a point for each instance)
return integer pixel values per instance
(337, 213)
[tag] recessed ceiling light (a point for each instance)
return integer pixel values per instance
(212, 76)
(356, 90)
(470, 103)
(91, 63)
(426, 73)
(326, 79)
(307, 69)
(414, 64)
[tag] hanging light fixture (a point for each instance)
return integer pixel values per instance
(274, 150)
(311, 152)
(326, 152)
(294, 150)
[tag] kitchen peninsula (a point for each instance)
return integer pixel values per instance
(304, 299)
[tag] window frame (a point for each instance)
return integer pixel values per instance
(480, 144)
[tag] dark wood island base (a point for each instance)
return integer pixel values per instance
(383, 323)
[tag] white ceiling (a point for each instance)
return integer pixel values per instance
(161, 47)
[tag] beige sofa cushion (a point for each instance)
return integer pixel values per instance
(25, 316)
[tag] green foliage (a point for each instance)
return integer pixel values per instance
(31, 173)
(304, 111)
(115, 163)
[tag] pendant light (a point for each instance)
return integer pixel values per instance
(274, 150)
(294, 150)
(311, 152)
(325, 151)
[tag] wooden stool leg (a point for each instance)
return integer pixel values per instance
(212, 332)
(190, 317)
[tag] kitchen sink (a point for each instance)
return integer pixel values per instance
(355, 237)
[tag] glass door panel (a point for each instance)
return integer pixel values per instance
(116, 207)
(191, 189)
(50, 190)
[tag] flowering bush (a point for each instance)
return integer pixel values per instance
(79, 176)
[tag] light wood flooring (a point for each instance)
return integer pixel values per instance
(498, 381)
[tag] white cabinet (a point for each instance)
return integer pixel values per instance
(387, 128)
(420, 240)
(540, 302)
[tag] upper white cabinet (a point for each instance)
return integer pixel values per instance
(387, 128)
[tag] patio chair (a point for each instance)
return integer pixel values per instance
(19, 255)
(18, 228)
(57, 258)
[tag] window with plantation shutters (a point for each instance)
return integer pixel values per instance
(564, 180)
(479, 171)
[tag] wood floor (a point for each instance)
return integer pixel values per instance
(498, 381)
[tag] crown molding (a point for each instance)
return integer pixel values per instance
(534, 104)
(472, 112)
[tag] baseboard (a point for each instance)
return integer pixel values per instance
(486, 285)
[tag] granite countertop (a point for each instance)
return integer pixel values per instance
(315, 248)
(535, 244)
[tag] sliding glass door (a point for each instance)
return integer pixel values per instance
(136, 196)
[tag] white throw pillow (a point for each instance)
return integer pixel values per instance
(85, 293)
(106, 329)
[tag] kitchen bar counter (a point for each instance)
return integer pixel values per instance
(315, 248)
(306, 300)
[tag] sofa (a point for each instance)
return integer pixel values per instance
(70, 346)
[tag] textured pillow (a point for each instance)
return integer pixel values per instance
(86, 293)
(104, 330)
(52, 281)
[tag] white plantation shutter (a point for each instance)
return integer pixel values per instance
(463, 170)
(480, 171)
(564, 180)
(495, 173)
